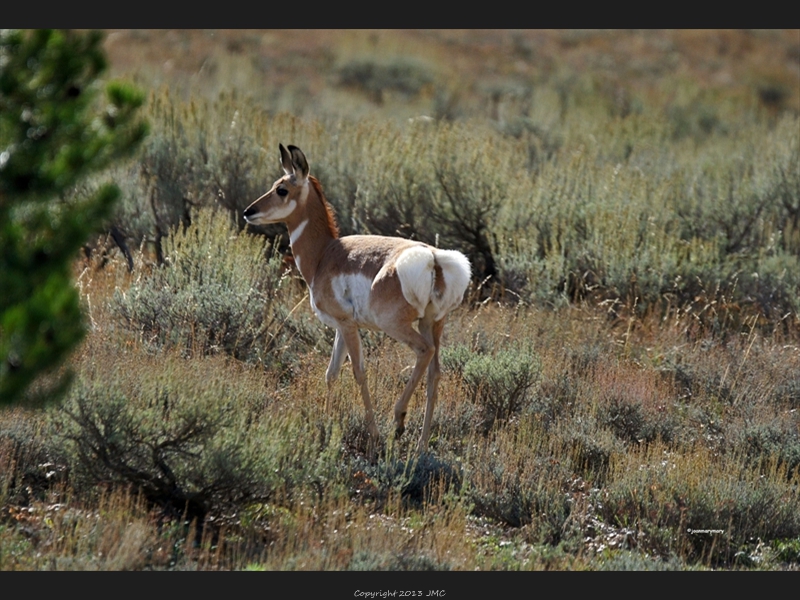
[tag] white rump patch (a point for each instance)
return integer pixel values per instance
(457, 272)
(415, 270)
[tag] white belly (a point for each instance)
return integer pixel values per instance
(352, 293)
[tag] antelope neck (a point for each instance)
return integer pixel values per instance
(308, 239)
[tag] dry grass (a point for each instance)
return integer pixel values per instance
(580, 471)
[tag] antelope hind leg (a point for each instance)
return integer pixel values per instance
(424, 350)
(434, 334)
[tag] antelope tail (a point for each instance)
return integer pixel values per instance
(433, 276)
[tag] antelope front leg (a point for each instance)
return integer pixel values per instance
(335, 365)
(353, 342)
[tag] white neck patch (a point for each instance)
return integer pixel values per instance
(294, 235)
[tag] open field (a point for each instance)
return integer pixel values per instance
(621, 387)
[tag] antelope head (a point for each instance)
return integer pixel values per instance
(286, 194)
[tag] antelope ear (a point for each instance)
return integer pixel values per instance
(300, 164)
(286, 160)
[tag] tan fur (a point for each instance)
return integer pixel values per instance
(353, 283)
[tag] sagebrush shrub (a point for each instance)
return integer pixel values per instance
(632, 422)
(590, 448)
(29, 458)
(776, 440)
(417, 480)
(405, 561)
(693, 494)
(181, 449)
(188, 435)
(515, 482)
(501, 383)
(402, 75)
(218, 291)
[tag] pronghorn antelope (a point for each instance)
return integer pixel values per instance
(378, 282)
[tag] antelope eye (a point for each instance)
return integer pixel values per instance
(282, 192)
